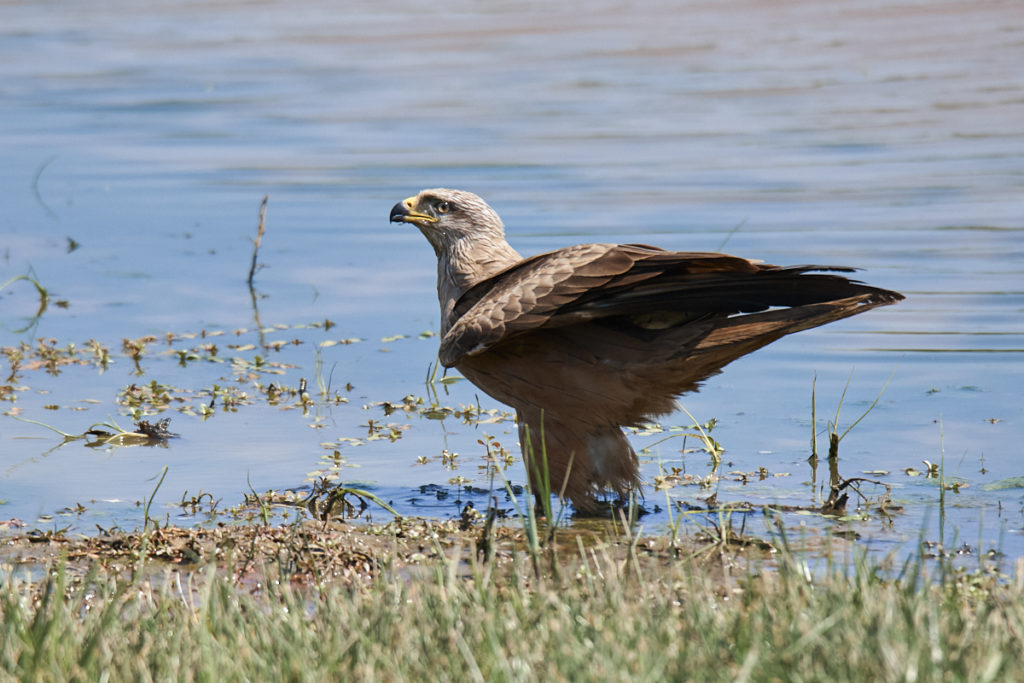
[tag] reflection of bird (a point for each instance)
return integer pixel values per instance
(584, 340)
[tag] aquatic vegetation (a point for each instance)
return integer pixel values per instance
(199, 375)
(249, 376)
(44, 298)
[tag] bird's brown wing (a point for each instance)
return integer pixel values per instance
(533, 292)
(591, 281)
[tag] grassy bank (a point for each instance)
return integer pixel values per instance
(602, 611)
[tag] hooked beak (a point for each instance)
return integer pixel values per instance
(403, 212)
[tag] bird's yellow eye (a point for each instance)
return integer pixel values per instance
(443, 207)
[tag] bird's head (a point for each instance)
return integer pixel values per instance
(448, 217)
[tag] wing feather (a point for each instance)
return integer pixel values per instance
(591, 281)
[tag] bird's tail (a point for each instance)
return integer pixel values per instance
(741, 334)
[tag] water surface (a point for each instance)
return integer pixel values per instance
(882, 136)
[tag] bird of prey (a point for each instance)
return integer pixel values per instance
(586, 340)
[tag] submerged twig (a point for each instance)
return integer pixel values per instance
(145, 434)
(324, 497)
(261, 228)
(35, 187)
(835, 500)
(836, 503)
(44, 298)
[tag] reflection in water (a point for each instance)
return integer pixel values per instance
(44, 301)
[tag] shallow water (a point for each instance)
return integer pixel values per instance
(862, 133)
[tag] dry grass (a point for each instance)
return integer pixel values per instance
(413, 602)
